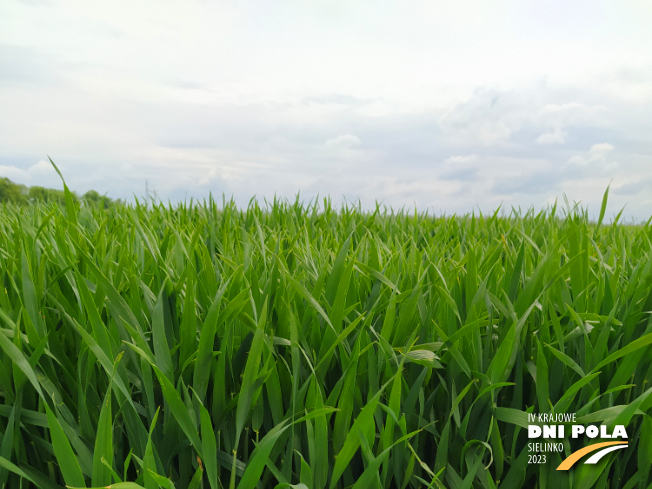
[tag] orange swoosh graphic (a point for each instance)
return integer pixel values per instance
(575, 456)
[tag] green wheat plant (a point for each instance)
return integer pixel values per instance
(296, 345)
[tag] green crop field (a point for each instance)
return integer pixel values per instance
(298, 345)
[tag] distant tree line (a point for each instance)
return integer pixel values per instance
(16, 193)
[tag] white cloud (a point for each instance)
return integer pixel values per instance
(597, 156)
(461, 159)
(488, 117)
(634, 187)
(42, 168)
(562, 108)
(558, 118)
(442, 104)
(344, 141)
(12, 173)
(37, 174)
(601, 148)
(459, 168)
(556, 137)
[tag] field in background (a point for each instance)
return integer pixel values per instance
(206, 346)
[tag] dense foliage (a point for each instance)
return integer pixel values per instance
(207, 346)
(16, 193)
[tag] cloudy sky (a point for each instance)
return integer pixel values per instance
(452, 106)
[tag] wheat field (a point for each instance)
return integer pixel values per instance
(287, 344)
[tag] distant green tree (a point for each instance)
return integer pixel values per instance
(12, 192)
(95, 198)
(38, 193)
(43, 194)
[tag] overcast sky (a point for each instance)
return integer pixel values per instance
(452, 106)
